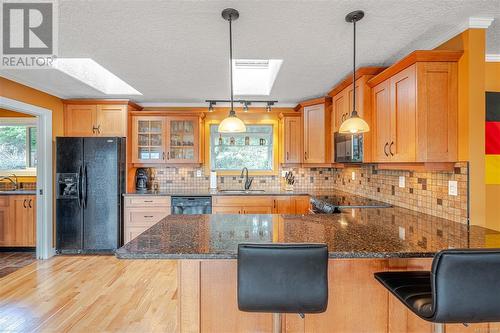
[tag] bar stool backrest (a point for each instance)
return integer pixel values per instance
(283, 278)
(466, 286)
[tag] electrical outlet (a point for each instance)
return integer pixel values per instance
(402, 233)
(198, 173)
(353, 175)
(453, 187)
(283, 173)
(402, 181)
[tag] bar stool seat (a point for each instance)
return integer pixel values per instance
(413, 289)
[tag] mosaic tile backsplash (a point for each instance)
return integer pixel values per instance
(425, 192)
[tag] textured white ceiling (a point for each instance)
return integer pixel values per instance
(177, 51)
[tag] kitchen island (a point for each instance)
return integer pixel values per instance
(360, 241)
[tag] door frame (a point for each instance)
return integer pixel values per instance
(44, 182)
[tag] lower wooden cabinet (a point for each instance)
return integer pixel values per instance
(241, 204)
(142, 212)
(18, 220)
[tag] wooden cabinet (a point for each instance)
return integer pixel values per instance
(18, 220)
(340, 109)
(242, 204)
(292, 141)
(142, 212)
(317, 135)
(415, 109)
(96, 118)
(148, 139)
(166, 139)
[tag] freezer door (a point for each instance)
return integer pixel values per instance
(69, 213)
(101, 193)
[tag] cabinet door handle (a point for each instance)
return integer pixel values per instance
(287, 156)
(390, 148)
(93, 129)
(99, 129)
(29, 204)
(385, 149)
(148, 216)
(163, 156)
(148, 200)
(168, 155)
(24, 203)
(305, 155)
(274, 203)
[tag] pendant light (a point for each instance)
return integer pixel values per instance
(354, 124)
(231, 124)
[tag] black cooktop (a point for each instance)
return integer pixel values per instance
(329, 204)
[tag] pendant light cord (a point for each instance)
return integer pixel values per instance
(354, 112)
(231, 61)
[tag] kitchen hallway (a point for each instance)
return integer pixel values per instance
(90, 294)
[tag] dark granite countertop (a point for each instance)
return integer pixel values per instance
(18, 192)
(354, 233)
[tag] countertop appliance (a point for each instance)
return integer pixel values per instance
(348, 148)
(331, 204)
(191, 205)
(90, 180)
(141, 180)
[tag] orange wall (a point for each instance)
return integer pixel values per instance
(493, 191)
(13, 90)
(471, 113)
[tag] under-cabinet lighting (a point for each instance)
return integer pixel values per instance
(91, 73)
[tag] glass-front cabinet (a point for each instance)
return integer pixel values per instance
(183, 137)
(169, 139)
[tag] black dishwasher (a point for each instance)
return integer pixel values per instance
(191, 205)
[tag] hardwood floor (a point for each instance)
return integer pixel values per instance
(12, 261)
(90, 294)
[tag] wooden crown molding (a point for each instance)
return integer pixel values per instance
(416, 56)
(347, 81)
(314, 101)
(103, 101)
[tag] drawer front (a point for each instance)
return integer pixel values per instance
(144, 216)
(133, 232)
(242, 201)
(147, 201)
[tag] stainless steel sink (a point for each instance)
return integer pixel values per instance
(241, 191)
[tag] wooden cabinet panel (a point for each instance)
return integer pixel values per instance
(257, 210)
(226, 210)
(147, 201)
(22, 221)
(145, 215)
(315, 134)
(112, 120)
(292, 140)
(340, 109)
(80, 120)
(5, 224)
(382, 121)
(437, 111)
(402, 147)
(302, 204)
(284, 205)
(243, 200)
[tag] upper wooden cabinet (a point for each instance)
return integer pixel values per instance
(342, 104)
(317, 143)
(292, 139)
(166, 139)
(415, 109)
(96, 117)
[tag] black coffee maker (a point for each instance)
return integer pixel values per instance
(141, 180)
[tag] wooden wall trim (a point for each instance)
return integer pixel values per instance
(347, 81)
(103, 101)
(415, 56)
(314, 101)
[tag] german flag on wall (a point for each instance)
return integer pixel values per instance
(492, 137)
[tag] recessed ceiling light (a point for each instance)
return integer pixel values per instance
(254, 76)
(91, 73)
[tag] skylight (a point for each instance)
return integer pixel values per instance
(91, 73)
(255, 77)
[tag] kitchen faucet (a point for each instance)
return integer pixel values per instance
(248, 181)
(9, 178)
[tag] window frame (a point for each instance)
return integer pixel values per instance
(29, 122)
(249, 120)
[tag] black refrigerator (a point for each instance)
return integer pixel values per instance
(90, 181)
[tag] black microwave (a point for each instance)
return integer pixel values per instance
(348, 148)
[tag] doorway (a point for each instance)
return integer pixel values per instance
(44, 196)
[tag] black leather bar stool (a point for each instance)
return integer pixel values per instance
(282, 278)
(462, 287)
